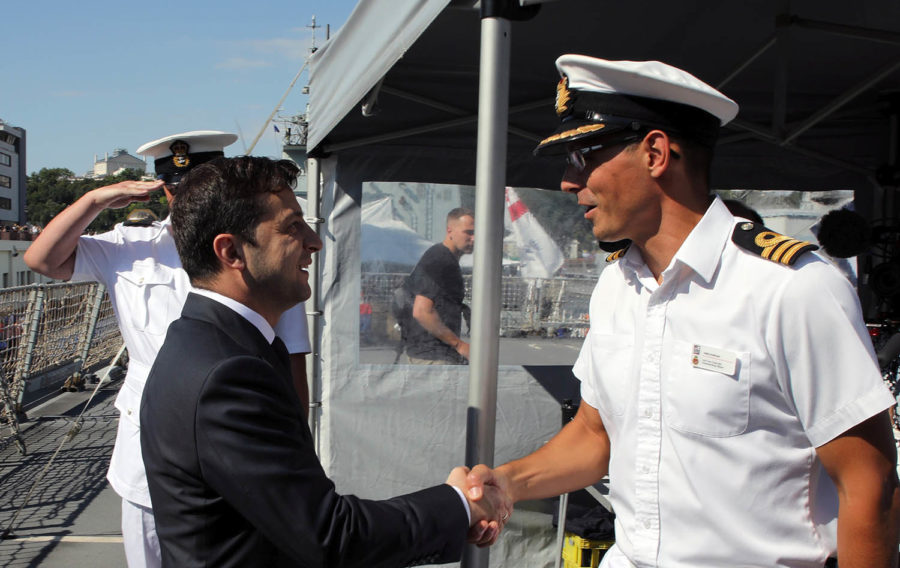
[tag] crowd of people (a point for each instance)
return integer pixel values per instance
(717, 362)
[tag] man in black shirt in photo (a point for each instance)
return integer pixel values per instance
(437, 287)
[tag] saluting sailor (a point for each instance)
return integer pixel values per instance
(729, 387)
(147, 286)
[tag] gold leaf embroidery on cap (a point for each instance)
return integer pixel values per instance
(563, 96)
(574, 132)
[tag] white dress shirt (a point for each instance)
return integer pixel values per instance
(715, 388)
(147, 288)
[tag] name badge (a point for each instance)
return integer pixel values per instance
(714, 359)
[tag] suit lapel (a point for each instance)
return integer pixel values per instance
(244, 334)
(235, 326)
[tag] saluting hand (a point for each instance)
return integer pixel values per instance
(125, 192)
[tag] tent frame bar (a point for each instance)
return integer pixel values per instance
(780, 134)
(314, 304)
(759, 132)
(870, 34)
(740, 68)
(841, 100)
(469, 118)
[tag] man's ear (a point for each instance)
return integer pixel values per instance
(229, 250)
(659, 147)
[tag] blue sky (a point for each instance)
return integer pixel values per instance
(85, 78)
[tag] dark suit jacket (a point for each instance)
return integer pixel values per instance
(234, 478)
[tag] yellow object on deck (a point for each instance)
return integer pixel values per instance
(580, 552)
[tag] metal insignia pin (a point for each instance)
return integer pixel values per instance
(180, 150)
(746, 226)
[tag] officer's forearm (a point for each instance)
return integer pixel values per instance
(53, 252)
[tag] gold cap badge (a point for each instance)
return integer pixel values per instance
(180, 150)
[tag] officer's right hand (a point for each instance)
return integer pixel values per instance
(125, 192)
(463, 348)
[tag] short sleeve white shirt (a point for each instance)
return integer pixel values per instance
(147, 288)
(715, 387)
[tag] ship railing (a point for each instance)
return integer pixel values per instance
(52, 336)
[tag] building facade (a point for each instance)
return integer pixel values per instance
(12, 173)
(118, 161)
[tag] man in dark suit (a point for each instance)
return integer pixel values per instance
(233, 474)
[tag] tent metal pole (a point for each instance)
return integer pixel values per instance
(762, 49)
(329, 148)
(462, 121)
(871, 34)
(490, 180)
(842, 100)
(761, 133)
(313, 305)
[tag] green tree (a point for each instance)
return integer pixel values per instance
(51, 190)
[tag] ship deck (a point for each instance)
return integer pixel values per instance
(71, 516)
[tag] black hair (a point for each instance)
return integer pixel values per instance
(222, 197)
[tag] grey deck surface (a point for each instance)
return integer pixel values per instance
(72, 517)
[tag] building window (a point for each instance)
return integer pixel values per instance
(5, 159)
(6, 279)
(5, 181)
(5, 203)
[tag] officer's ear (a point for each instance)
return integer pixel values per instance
(660, 150)
(229, 250)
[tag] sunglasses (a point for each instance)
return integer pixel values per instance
(576, 157)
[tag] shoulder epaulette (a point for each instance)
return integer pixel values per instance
(617, 255)
(769, 244)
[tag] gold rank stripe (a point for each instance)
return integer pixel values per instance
(778, 248)
(616, 255)
(788, 257)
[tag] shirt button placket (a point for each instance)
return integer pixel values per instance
(649, 436)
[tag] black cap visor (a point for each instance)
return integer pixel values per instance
(593, 115)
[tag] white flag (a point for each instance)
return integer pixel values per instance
(539, 254)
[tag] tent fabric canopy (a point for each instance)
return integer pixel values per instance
(814, 81)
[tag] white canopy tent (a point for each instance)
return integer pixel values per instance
(459, 92)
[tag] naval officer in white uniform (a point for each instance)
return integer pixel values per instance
(729, 386)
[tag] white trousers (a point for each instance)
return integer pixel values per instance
(139, 536)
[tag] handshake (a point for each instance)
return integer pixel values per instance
(490, 501)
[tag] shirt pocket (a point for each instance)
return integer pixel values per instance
(704, 402)
(128, 401)
(150, 302)
(611, 360)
